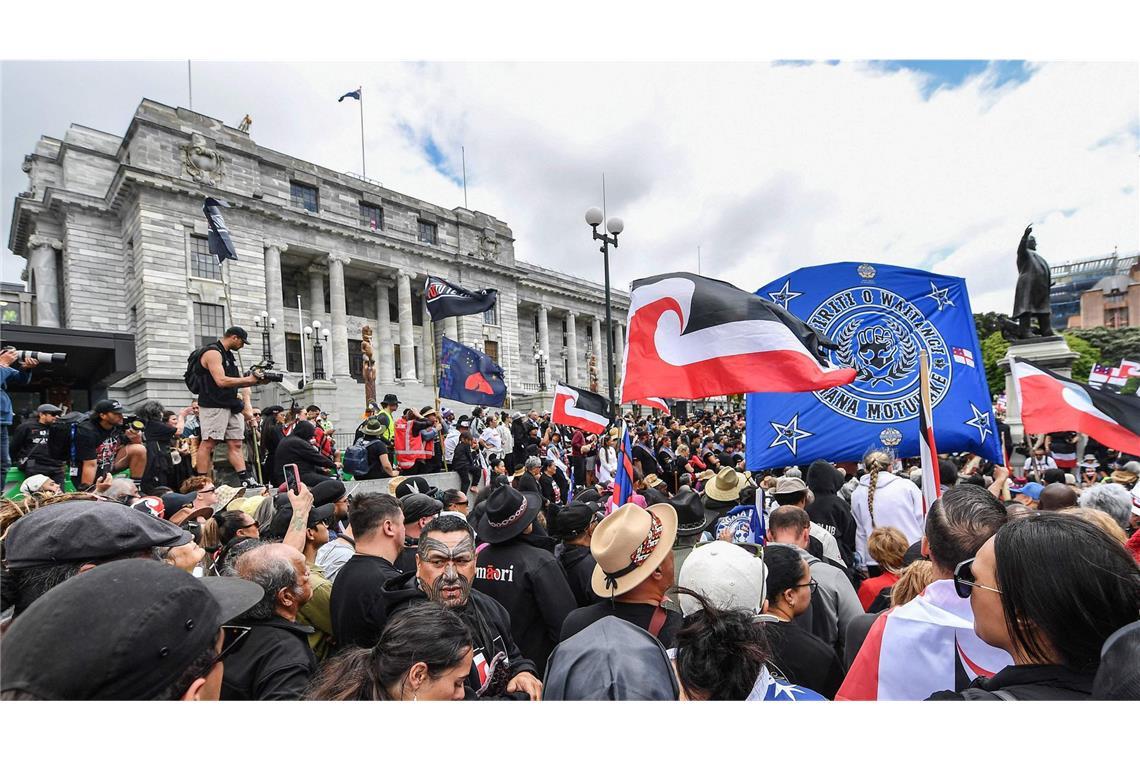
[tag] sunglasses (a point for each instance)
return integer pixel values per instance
(233, 636)
(964, 581)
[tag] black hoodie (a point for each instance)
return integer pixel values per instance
(490, 627)
(579, 564)
(297, 448)
(829, 510)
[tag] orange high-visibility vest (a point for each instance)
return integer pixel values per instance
(409, 448)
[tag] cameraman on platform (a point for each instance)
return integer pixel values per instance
(223, 412)
(7, 358)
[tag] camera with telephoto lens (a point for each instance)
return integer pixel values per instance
(264, 370)
(132, 422)
(40, 356)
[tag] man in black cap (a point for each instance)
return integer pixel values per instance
(357, 605)
(223, 413)
(30, 447)
(129, 630)
(690, 526)
(103, 445)
(275, 662)
(519, 571)
(45, 547)
(574, 527)
(419, 510)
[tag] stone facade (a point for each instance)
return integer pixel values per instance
(112, 228)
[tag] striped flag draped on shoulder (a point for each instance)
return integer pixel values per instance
(693, 337)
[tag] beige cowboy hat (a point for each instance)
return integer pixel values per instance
(706, 475)
(725, 486)
(226, 494)
(629, 545)
(395, 482)
(652, 481)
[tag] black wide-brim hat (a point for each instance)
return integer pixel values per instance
(690, 513)
(509, 512)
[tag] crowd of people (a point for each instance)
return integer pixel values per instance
(532, 580)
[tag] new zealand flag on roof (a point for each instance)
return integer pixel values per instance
(469, 376)
(880, 318)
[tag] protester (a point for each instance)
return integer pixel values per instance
(830, 511)
(518, 569)
(913, 581)
(791, 491)
(1112, 499)
(316, 612)
(634, 550)
(801, 657)
(887, 547)
(298, 448)
(884, 499)
(357, 603)
(128, 630)
(1057, 496)
(574, 528)
(30, 444)
(611, 660)
(690, 528)
(1053, 625)
(419, 509)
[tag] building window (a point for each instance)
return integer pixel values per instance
(355, 361)
(428, 232)
(371, 217)
(1116, 317)
(303, 196)
(292, 352)
(564, 334)
(203, 263)
(209, 323)
(491, 349)
(396, 358)
(491, 315)
(393, 305)
(589, 332)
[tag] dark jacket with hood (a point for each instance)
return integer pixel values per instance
(274, 662)
(523, 575)
(1027, 683)
(490, 627)
(297, 449)
(613, 661)
(578, 564)
(829, 510)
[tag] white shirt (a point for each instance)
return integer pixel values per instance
(607, 465)
(494, 442)
(898, 504)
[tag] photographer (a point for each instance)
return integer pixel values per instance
(7, 359)
(223, 412)
(104, 445)
(30, 444)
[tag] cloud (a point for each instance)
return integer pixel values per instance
(767, 167)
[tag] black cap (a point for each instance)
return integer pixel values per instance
(107, 405)
(48, 409)
(238, 332)
(419, 505)
(124, 630)
(413, 485)
(279, 525)
(83, 531)
(571, 520)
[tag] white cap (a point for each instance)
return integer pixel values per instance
(728, 576)
(33, 484)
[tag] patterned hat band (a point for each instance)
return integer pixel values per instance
(513, 518)
(640, 554)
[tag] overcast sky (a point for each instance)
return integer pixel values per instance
(767, 167)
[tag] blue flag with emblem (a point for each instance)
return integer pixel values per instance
(469, 376)
(880, 318)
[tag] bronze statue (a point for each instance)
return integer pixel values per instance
(1031, 299)
(369, 367)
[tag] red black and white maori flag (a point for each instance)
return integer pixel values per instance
(692, 337)
(581, 409)
(1051, 402)
(655, 402)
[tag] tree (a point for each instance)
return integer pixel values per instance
(988, 323)
(1089, 356)
(1114, 344)
(994, 348)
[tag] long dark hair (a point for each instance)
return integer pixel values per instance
(719, 652)
(785, 570)
(428, 633)
(1066, 586)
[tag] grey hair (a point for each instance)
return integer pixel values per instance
(793, 472)
(271, 573)
(119, 488)
(1132, 467)
(532, 462)
(1111, 498)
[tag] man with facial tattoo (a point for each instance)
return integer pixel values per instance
(445, 569)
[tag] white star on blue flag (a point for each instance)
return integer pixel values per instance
(783, 296)
(788, 434)
(980, 421)
(941, 296)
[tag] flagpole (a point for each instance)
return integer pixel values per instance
(435, 380)
(363, 169)
(463, 154)
(300, 336)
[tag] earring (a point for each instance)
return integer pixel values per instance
(416, 695)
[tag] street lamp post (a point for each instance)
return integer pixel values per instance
(614, 225)
(540, 362)
(318, 353)
(266, 324)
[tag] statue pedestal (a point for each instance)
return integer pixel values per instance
(1052, 353)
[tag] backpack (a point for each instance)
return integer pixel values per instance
(193, 377)
(355, 460)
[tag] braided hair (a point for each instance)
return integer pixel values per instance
(876, 461)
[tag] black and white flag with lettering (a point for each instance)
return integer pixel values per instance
(219, 235)
(446, 300)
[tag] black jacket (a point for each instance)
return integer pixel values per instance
(490, 626)
(637, 613)
(527, 482)
(1026, 683)
(829, 510)
(578, 564)
(357, 605)
(804, 658)
(274, 662)
(463, 459)
(523, 576)
(298, 449)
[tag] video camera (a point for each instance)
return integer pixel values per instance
(264, 370)
(132, 422)
(40, 356)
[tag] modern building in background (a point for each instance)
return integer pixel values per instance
(115, 239)
(1098, 291)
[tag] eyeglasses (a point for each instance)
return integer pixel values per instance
(964, 582)
(813, 584)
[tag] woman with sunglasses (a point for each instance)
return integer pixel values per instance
(800, 656)
(1052, 623)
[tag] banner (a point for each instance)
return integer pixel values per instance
(446, 300)
(218, 237)
(470, 377)
(879, 318)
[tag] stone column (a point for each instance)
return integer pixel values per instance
(45, 278)
(544, 335)
(407, 338)
(317, 290)
(451, 328)
(339, 348)
(275, 298)
(572, 349)
(427, 346)
(599, 350)
(385, 365)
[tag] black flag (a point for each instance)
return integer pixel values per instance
(446, 300)
(219, 237)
